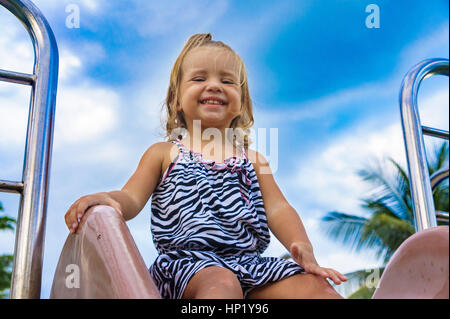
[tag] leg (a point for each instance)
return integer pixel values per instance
(300, 286)
(213, 282)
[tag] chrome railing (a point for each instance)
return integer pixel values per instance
(33, 188)
(420, 185)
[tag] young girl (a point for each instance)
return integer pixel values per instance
(211, 214)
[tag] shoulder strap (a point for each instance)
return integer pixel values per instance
(243, 152)
(180, 145)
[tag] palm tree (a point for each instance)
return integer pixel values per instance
(6, 261)
(391, 219)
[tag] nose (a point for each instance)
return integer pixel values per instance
(214, 85)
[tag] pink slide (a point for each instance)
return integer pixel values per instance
(419, 268)
(102, 261)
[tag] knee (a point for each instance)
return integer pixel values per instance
(228, 283)
(213, 282)
(217, 282)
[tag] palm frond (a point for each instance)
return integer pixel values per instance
(441, 196)
(345, 228)
(390, 230)
(6, 262)
(403, 185)
(386, 191)
(437, 157)
(443, 155)
(7, 222)
(378, 206)
(390, 206)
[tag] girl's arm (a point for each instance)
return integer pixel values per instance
(285, 223)
(138, 189)
(130, 200)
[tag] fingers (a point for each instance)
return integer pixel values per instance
(79, 208)
(70, 216)
(326, 273)
(342, 277)
(334, 275)
(73, 216)
(309, 264)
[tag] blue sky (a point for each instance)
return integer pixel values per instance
(317, 74)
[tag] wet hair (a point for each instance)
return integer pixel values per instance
(241, 124)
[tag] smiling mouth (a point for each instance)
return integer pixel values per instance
(212, 102)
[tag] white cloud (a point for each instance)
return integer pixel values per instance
(69, 65)
(434, 109)
(425, 47)
(14, 103)
(17, 52)
(148, 99)
(328, 179)
(157, 18)
(346, 262)
(85, 113)
(91, 5)
(321, 108)
(82, 114)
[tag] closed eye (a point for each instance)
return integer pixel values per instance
(202, 79)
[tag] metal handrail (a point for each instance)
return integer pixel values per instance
(437, 177)
(442, 216)
(421, 192)
(33, 189)
(431, 131)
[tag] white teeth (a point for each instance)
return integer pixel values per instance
(211, 102)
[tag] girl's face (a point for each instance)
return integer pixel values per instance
(210, 74)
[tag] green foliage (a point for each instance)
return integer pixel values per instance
(390, 220)
(6, 261)
(5, 271)
(363, 293)
(6, 222)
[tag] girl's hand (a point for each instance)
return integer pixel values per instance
(80, 206)
(304, 256)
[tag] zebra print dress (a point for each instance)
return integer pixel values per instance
(211, 214)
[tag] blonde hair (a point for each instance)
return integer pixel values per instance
(175, 119)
